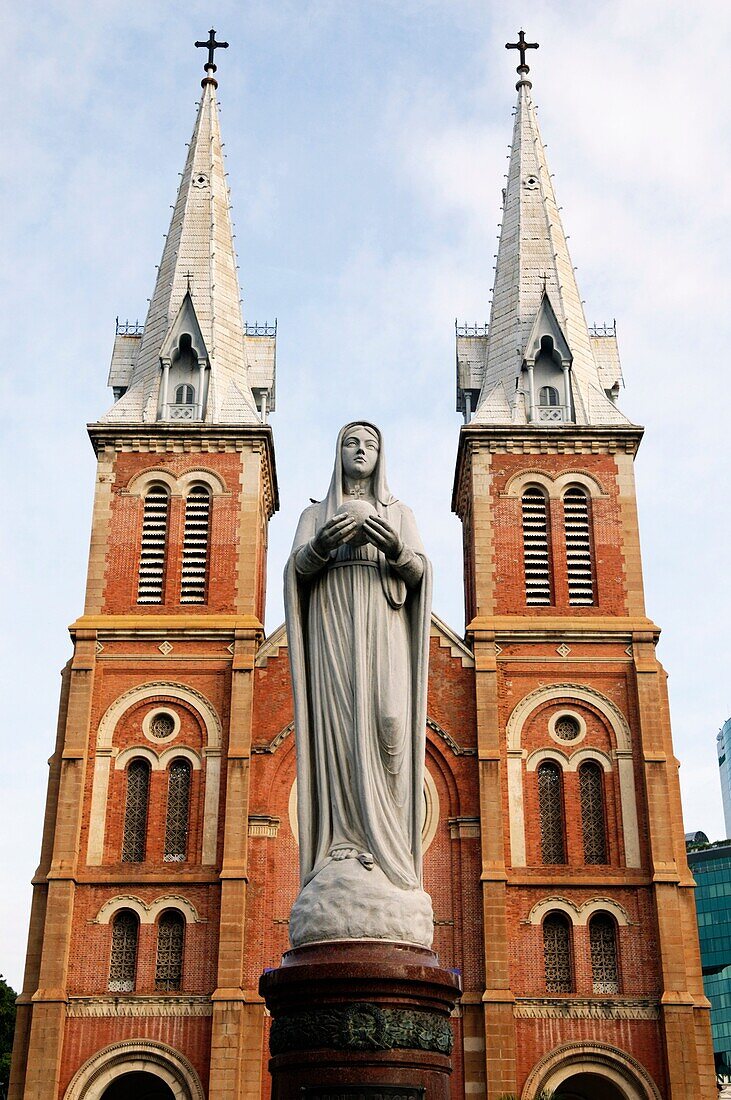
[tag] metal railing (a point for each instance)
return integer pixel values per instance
(129, 328)
(603, 330)
(476, 329)
(255, 328)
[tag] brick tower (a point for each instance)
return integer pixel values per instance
(592, 977)
(136, 934)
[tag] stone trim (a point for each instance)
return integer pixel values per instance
(263, 825)
(91, 1080)
(105, 734)
(124, 1006)
(555, 485)
(623, 753)
(614, 1008)
(602, 1059)
(147, 912)
(578, 914)
(568, 763)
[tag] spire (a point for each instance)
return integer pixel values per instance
(191, 360)
(538, 347)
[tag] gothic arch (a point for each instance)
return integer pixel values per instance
(135, 1055)
(559, 1065)
(623, 754)
(105, 734)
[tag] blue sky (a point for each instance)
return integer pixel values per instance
(366, 147)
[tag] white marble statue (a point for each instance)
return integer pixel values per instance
(358, 603)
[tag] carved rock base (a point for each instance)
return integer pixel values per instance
(346, 901)
(358, 1013)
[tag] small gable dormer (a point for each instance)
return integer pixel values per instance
(547, 360)
(185, 368)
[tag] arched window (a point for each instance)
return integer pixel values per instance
(169, 963)
(603, 943)
(557, 953)
(593, 826)
(548, 395)
(536, 553)
(176, 822)
(195, 545)
(123, 962)
(151, 574)
(577, 525)
(184, 395)
(135, 812)
(550, 808)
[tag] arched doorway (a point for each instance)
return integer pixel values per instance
(138, 1086)
(588, 1086)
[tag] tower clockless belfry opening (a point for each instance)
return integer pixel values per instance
(550, 815)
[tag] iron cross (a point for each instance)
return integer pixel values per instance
(211, 45)
(521, 45)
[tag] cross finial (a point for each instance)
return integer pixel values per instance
(523, 69)
(210, 66)
(188, 276)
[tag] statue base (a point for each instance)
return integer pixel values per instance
(357, 1017)
(346, 901)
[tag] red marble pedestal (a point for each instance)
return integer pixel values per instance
(360, 1019)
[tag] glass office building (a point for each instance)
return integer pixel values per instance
(711, 868)
(723, 748)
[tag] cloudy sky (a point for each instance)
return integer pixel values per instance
(366, 144)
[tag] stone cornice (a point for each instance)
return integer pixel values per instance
(79, 1007)
(574, 1008)
(549, 628)
(540, 439)
(191, 438)
(183, 626)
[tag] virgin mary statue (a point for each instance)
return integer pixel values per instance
(358, 602)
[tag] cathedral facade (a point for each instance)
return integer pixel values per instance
(553, 837)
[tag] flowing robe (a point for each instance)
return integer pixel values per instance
(358, 635)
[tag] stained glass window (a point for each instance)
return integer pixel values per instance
(536, 557)
(591, 794)
(195, 545)
(169, 964)
(176, 823)
(135, 812)
(603, 942)
(577, 526)
(123, 962)
(550, 806)
(151, 575)
(557, 953)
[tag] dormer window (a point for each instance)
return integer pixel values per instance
(185, 368)
(548, 396)
(184, 395)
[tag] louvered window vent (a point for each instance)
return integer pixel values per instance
(195, 546)
(154, 546)
(577, 523)
(536, 554)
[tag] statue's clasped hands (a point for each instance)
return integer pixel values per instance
(342, 528)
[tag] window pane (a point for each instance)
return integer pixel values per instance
(124, 952)
(169, 965)
(550, 804)
(557, 953)
(591, 787)
(603, 941)
(135, 813)
(176, 824)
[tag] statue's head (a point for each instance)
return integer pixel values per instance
(359, 450)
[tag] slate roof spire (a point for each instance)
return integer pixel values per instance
(537, 339)
(194, 321)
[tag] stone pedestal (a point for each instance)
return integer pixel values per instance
(360, 1018)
